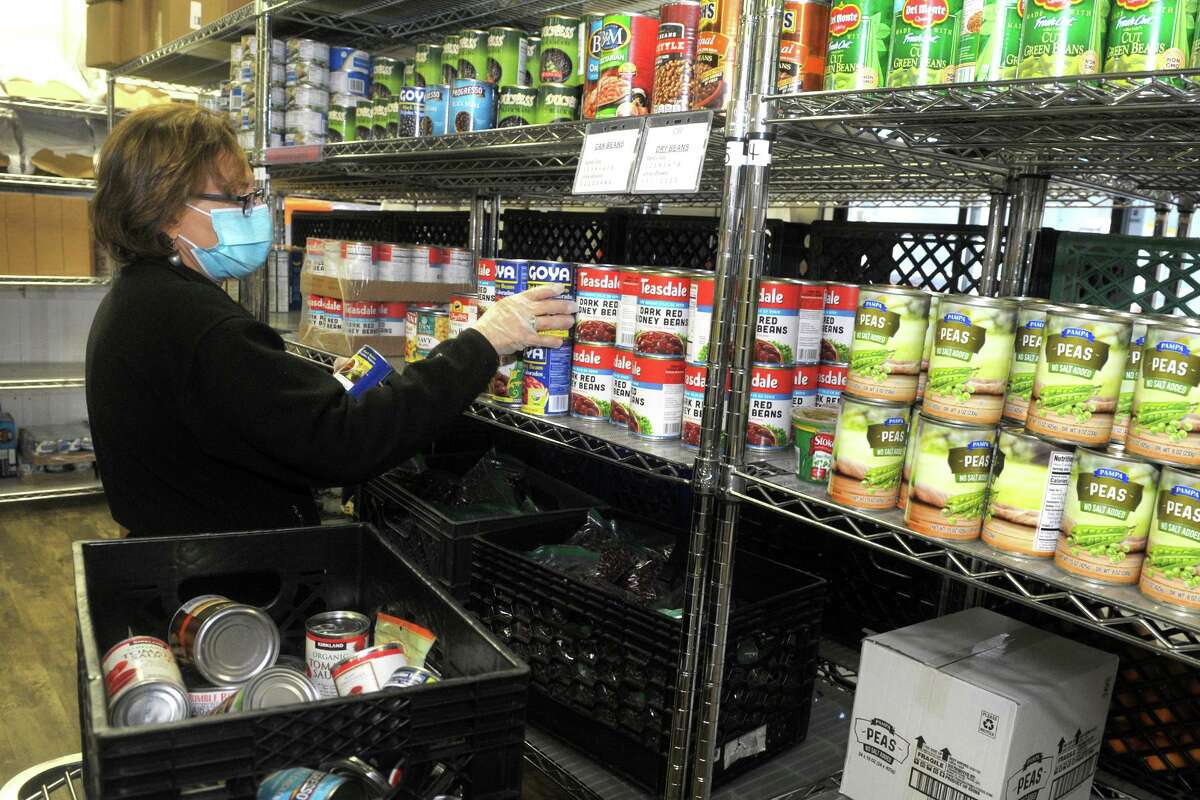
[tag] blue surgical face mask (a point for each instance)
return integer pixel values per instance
(242, 242)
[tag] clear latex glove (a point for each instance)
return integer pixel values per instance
(514, 322)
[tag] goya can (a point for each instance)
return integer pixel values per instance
(860, 33)
(622, 387)
(910, 455)
(533, 61)
(1165, 408)
(143, 683)
(674, 53)
(804, 386)
(868, 453)
(716, 52)
(1171, 571)
(837, 322)
(924, 42)
(450, 59)
(505, 56)
(1078, 380)
(769, 419)
(562, 50)
(1110, 500)
(387, 76)
(436, 115)
(831, 383)
(296, 782)
(225, 641)
(889, 335)
(989, 40)
(517, 106)
(1027, 352)
(631, 286)
(1129, 381)
(546, 273)
(598, 302)
(700, 310)
(695, 379)
(948, 489)
(547, 380)
(472, 106)
(330, 637)
(1027, 493)
(813, 434)
(410, 108)
(656, 397)
(429, 64)
(661, 325)
(803, 41)
(593, 24)
(1062, 37)
(972, 353)
(777, 321)
(591, 381)
(556, 102)
(626, 85)
(935, 303)
(472, 55)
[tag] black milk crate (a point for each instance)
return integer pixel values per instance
(603, 668)
(472, 722)
(439, 544)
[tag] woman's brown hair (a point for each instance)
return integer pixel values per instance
(153, 162)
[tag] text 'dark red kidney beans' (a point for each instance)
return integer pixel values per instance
(591, 381)
(810, 323)
(622, 388)
(631, 284)
(695, 377)
(804, 386)
(542, 273)
(776, 324)
(831, 382)
(656, 398)
(837, 327)
(700, 308)
(598, 297)
(769, 424)
(662, 314)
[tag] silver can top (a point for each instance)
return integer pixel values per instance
(338, 624)
(373, 781)
(150, 703)
(236, 643)
(278, 686)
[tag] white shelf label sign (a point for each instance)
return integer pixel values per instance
(673, 151)
(606, 161)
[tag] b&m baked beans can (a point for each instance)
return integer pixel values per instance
(662, 313)
(547, 380)
(837, 327)
(804, 386)
(598, 297)
(777, 322)
(622, 388)
(591, 381)
(656, 399)
(627, 45)
(631, 284)
(700, 310)
(695, 378)
(769, 424)
(543, 273)
(831, 382)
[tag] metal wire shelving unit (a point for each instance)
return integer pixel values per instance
(46, 183)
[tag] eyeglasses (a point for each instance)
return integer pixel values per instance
(248, 200)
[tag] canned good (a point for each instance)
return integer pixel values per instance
(410, 334)
(391, 262)
(837, 323)
(517, 106)
(627, 45)
(989, 39)
(1078, 379)
(831, 382)
(925, 43)
(661, 325)
(463, 314)
(591, 381)
(622, 388)
(656, 396)
(598, 299)
(802, 44)
(410, 109)
(485, 283)
(304, 126)
(341, 124)
(1110, 500)
(695, 378)
(972, 353)
(533, 62)
(1027, 493)
(813, 432)
(1129, 381)
(1062, 38)
(804, 386)
(512, 277)
(436, 110)
(349, 71)
(357, 260)
(545, 273)
(472, 106)
(562, 50)
(204, 700)
(700, 309)
(777, 321)
(769, 420)
(505, 56)
(143, 684)
(856, 57)
(592, 41)
(364, 119)
(507, 386)
(300, 49)
(368, 670)
(556, 102)
(225, 641)
(809, 322)
(472, 55)
(1171, 571)
(716, 51)
(329, 637)
(385, 116)
(547, 380)
(306, 97)
(433, 328)
(284, 684)
(306, 73)
(889, 335)
(314, 255)
(373, 782)
(410, 676)
(387, 76)
(1027, 351)
(631, 286)
(297, 782)
(333, 313)
(360, 317)
(868, 453)
(910, 454)
(948, 487)
(425, 266)
(428, 60)
(674, 53)
(450, 54)
(935, 305)
(393, 318)
(1165, 408)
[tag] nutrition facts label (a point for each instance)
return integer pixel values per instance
(1057, 477)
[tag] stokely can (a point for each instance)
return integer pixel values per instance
(1165, 409)
(716, 51)
(1110, 500)
(329, 638)
(777, 323)
(556, 102)
(1171, 571)
(360, 317)
(831, 382)
(472, 55)
(429, 64)
(700, 309)
(143, 683)
(948, 488)
(910, 454)
(505, 56)
(1027, 351)
(472, 106)
(802, 44)
(1026, 494)
(674, 53)
(837, 324)
(562, 50)
(656, 397)
(546, 273)
(812, 431)
(598, 300)
(622, 388)
(450, 59)
(804, 386)
(661, 327)
(695, 378)
(769, 420)
(972, 353)
(392, 318)
(517, 106)
(463, 313)
(485, 284)
(435, 117)
(225, 641)
(591, 381)
(868, 453)
(631, 285)
(889, 335)
(547, 380)
(433, 328)
(368, 670)
(626, 85)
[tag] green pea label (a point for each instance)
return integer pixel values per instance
(1028, 346)
(957, 338)
(859, 35)
(1108, 492)
(875, 323)
(1149, 34)
(989, 40)
(1075, 352)
(888, 438)
(1062, 37)
(971, 464)
(1179, 512)
(1171, 367)
(924, 42)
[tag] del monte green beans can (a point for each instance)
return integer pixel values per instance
(868, 453)
(924, 46)
(989, 40)
(948, 489)
(1171, 572)
(1110, 500)
(889, 337)
(1149, 34)
(1165, 421)
(972, 353)
(1026, 494)
(1062, 37)
(1078, 380)
(516, 106)
(859, 37)
(1027, 351)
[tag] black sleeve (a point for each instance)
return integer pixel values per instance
(255, 404)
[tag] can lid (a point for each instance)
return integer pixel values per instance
(1104, 453)
(235, 643)
(976, 300)
(1169, 319)
(1080, 311)
(373, 781)
(888, 288)
(991, 429)
(337, 623)
(824, 418)
(605, 267)
(277, 686)
(848, 397)
(150, 703)
(1019, 432)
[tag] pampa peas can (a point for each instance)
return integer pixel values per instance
(1027, 493)
(1165, 414)
(924, 46)
(1129, 381)
(860, 34)
(1062, 37)
(868, 453)
(935, 303)
(910, 454)
(989, 40)
(889, 336)
(1027, 351)
(1148, 35)
(1171, 571)
(1110, 500)
(971, 356)
(948, 489)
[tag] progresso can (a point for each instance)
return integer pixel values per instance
(450, 59)
(716, 51)
(562, 50)
(330, 637)
(533, 62)
(626, 85)
(591, 381)
(472, 55)
(674, 53)
(622, 387)
(437, 111)
(387, 76)
(297, 782)
(769, 420)
(656, 397)
(472, 106)
(505, 56)
(598, 299)
(143, 683)
(802, 44)
(695, 379)
(661, 325)
(517, 106)
(225, 641)
(547, 380)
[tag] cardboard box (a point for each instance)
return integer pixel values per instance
(343, 345)
(78, 248)
(47, 212)
(976, 705)
(175, 18)
(19, 223)
(380, 291)
(137, 28)
(104, 20)
(215, 9)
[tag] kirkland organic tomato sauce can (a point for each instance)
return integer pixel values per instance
(598, 298)
(837, 325)
(777, 322)
(330, 637)
(804, 386)
(143, 683)
(769, 423)
(661, 326)
(631, 284)
(700, 309)
(656, 397)
(591, 381)
(622, 387)
(695, 378)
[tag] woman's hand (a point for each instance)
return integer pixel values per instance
(513, 323)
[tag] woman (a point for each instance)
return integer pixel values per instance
(201, 421)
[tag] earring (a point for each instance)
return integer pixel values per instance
(175, 259)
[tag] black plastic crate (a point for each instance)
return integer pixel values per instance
(439, 544)
(471, 723)
(603, 668)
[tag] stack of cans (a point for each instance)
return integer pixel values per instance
(307, 88)
(387, 84)
(349, 86)
(239, 94)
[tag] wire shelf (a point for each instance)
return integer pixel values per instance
(51, 281)
(62, 108)
(45, 183)
(37, 375)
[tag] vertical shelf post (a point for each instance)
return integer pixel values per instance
(997, 209)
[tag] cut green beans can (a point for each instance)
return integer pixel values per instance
(1027, 351)
(1149, 34)
(1171, 572)
(889, 336)
(924, 48)
(948, 488)
(1062, 37)
(989, 40)
(972, 354)
(1026, 494)
(1165, 413)
(868, 453)
(859, 38)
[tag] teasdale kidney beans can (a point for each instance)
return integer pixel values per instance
(661, 325)
(656, 398)
(598, 299)
(700, 310)
(591, 381)
(804, 386)
(695, 378)
(769, 424)
(622, 387)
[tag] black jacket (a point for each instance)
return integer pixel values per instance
(202, 422)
